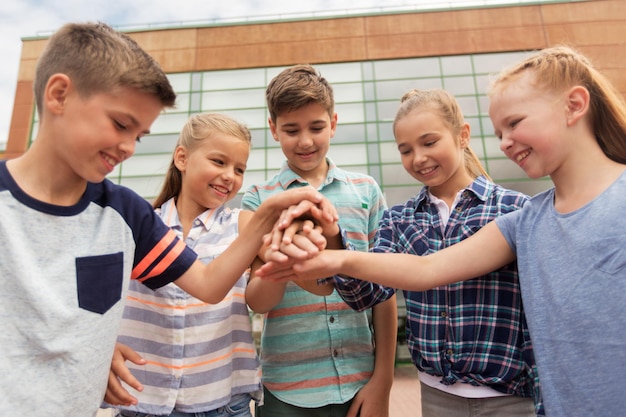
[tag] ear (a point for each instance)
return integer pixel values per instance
(465, 136)
(273, 129)
(56, 93)
(333, 125)
(577, 104)
(180, 158)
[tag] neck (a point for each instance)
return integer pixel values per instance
(586, 174)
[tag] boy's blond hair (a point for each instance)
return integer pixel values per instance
(97, 59)
(296, 87)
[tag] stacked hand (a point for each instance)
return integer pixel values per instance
(300, 234)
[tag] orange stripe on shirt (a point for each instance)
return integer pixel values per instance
(166, 261)
(203, 363)
(316, 383)
(157, 250)
(176, 307)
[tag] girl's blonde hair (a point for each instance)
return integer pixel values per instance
(561, 67)
(199, 127)
(450, 113)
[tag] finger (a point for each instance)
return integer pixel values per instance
(290, 232)
(116, 394)
(305, 247)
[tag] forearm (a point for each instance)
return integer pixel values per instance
(262, 295)
(385, 318)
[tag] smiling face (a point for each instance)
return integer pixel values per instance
(530, 123)
(212, 172)
(430, 152)
(304, 136)
(95, 133)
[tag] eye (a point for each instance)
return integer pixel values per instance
(240, 171)
(118, 125)
(514, 123)
(217, 161)
(138, 139)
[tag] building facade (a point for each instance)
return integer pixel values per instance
(370, 60)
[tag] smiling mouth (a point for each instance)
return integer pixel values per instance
(426, 171)
(521, 156)
(219, 189)
(111, 161)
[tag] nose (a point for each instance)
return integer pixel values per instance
(419, 158)
(228, 174)
(505, 142)
(305, 141)
(127, 148)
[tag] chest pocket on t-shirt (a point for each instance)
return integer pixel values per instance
(99, 281)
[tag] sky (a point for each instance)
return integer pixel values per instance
(29, 18)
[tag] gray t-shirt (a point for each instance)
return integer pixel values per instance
(572, 271)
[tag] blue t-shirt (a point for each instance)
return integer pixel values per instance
(572, 270)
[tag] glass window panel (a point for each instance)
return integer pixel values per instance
(169, 123)
(348, 154)
(275, 158)
(463, 85)
(180, 82)
(373, 154)
(394, 174)
(183, 102)
(256, 160)
(490, 63)
(346, 93)
(475, 128)
(195, 103)
(146, 165)
(388, 152)
(157, 144)
(468, 105)
(196, 81)
(350, 112)
(505, 169)
(233, 79)
(259, 137)
(492, 147)
(255, 177)
(367, 71)
(233, 99)
(455, 65)
(253, 118)
(349, 132)
(387, 110)
(400, 194)
(147, 187)
(370, 111)
(339, 73)
(385, 131)
(405, 68)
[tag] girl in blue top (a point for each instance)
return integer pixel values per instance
(555, 115)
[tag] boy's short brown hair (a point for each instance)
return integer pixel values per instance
(296, 87)
(97, 59)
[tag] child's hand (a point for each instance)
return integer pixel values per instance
(323, 213)
(301, 240)
(116, 394)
